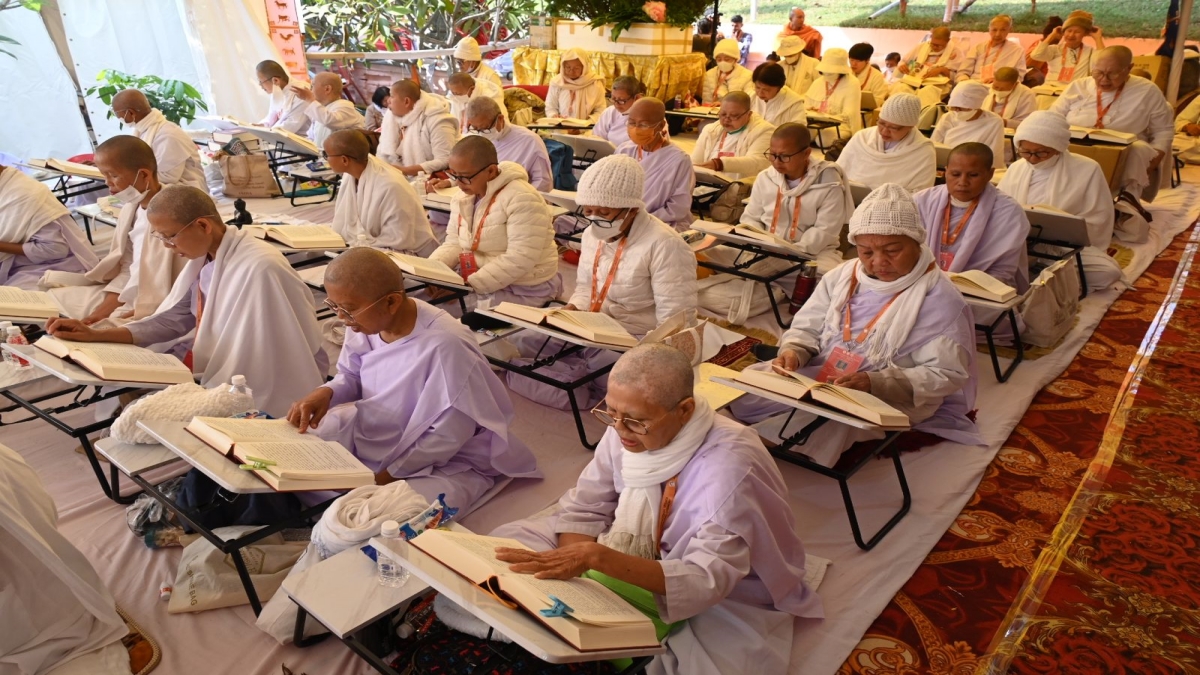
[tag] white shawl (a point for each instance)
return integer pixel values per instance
(923, 56)
(384, 208)
(404, 139)
(1077, 187)
(912, 163)
(635, 523)
(157, 265)
(26, 206)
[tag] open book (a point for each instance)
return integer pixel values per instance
(706, 176)
(444, 195)
(599, 619)
(718, 395)
(814, 116)
(69, 168)
(852, 401)
(1051, 88)
(675, 332)
(1103, 135)
(749, 232)
(703, 110)
(426, 268)
(918, 81)
(17, 302)
(278, 137)
(980, 284)
(299, 236)
(564, 122)
(594, 326)
(301, 461)
(118, 362)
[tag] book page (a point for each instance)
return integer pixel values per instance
(251, 430)
(481, 547)
(306, 232)
(300, 458)
(522, 312)
(424, 267)
(983, 280)
(861, 398)
(598, 322)
(52, 345)
(27, 303)
(590, 601)
(718, 395)
(112, 354)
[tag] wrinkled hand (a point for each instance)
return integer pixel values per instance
(434, 184)
(788, 359)
(566, 562)
(859, 381)
(937, 71)
(1192, 130)
(302, 93)
(72, 329)
(308, 412)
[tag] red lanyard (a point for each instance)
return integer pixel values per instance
(846, 336)
(830, 87)
(1004, 107)
(664, 510)
(721, 145)
(948, 239)
(571, 108)
(1102, 111)
(598, 299)
(988, 53)
(795, 215)
(479, 228)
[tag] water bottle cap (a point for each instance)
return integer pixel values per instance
(239, 380)
(390, 529)
(14, 330)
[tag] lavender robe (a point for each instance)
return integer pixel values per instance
(734, 566)
(526, 148)
(669, 182)
(611, 126)
(46, 250)
(428, 409)
(992, 241)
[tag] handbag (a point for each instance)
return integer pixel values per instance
(1053, 301)
(248, 176)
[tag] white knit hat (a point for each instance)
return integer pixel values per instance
(1047, 128)
(901, 109)
(834, 61)
(616, 182)
(968, 94)
(467, 49)
(888, 210)
(791, 45)
(727, 47)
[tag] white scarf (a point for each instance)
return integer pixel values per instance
(635, 524)
(891, 331)
(25, 207)
(359, 514)
(147, 128)
(923, 55)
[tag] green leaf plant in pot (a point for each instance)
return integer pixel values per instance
(177, 100)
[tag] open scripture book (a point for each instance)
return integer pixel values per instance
(69, 168)
(850, 401)
(118, 362)
(17, 302)
(598, 618)
(564, 122)
(980, 284)
(1103, 135)
(425, 268)
(299, 236)
(297, 461)
(593, 326)
(749, 232)
(918, 81)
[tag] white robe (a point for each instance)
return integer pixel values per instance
(787, 106)
(287, 112)
(801, 76)
(611, 126)
(738, 79)
(483, 89)
(843, 102)
(425, 136)
(336, 116)
(875, 83)
(988, 129)
(920, 59)
(1187, 146)
(741, 152)
(983, 60)
(176, 153)
(1078, 61)
(382, 208)
(911, 162)
(26, 208)
(1020, 103)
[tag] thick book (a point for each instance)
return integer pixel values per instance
(299, 236)
(593, 326)
(749, 232)
(707, 176)
(1051, 88)
(598, 619)
(980, 284)
(19, 303)
(1103, 135)
(426, 268)
(703, 110)
(681, 332)
(813, 116)
(851, 401)
(564, 122)
(69, 168)
(444, 195)
(118, 362)
(297, 461)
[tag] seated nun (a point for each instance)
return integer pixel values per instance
(58, 617)
(968, 122)
(251, 312)
(414, 398)
(137, 274)
(773, 100)
(576, 92)
(286, 110)
(836, 94)
(418, 130)
(870, 79)
(375, 205)
(626, 90)
(800, 68)
(463, 89)
(1010, 99)
(1112, 99)
(891, 324)
(892, 150)
(513, 143)
(736, 143)
(468, 59)
(726, 560)
(37, 233)
(983, 60)
(728, 75)
(934, 58)
(1047, 173)
(669, 177)
(1063, 52)
(500, 237)
(327, 109)
(176, 153)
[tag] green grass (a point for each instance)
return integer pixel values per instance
(1118, 18)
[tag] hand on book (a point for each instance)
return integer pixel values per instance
(859, 381)
(308, 412)
(564, 562)
(789, 360)
(78, 331)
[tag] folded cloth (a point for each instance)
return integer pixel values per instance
(178, 403)
(359, 515)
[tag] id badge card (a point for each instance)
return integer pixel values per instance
(841, 362)
(989, 74)
(467, 265)
(723, 154)
(945, 260)
(1066, 74)
(824, 106)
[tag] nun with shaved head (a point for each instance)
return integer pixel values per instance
(687, 508)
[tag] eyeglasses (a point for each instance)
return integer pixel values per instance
(730, 116)
(263, 83)
(326, 155)
(489, 127)
(644, 126)
(638, 427)
(774, 157)
(1107, 74)
(1039, 154)
(344, 314)
(169, 242)
(621, 101)
(466, 180)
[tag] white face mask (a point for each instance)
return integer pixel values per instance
(460, 99)
(131, 195)
(603, 228)
(1001, 96)
(960, 115)
(725, 66)
(830, 77)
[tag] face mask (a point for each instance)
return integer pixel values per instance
(725, 66)
(792, 60)
(460, 99)
(960, 115)
(643, 137)
(131, 195)
(830, 77)
(603, 228)
(1046, 164)
(1001, 96)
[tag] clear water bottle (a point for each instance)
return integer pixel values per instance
(418, 183)
(238, 386)
(361, 240)
(391, 573)
(16, 338)
(4, 334)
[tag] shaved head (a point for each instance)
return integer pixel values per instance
(131, 99)
(367, 272)
(940, 33)
(660, 374)
(268, 69)
(327, 79)
(482, 108)
(791, 132)
(182, 204)
(977, 152)
(350, 143)
(1120, 55)
(406, 89)
(129, 153)
(648, 109)
(738, 97)
(1007, 74)
(463, 80)
(476, 151)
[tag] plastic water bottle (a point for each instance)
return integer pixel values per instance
(4, 334)
(16, 338)
(418, 183)
(391, 573)
(238, 386)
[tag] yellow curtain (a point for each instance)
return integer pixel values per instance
(665, 77)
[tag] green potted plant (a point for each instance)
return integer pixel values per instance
(177, 100)
(620, 15)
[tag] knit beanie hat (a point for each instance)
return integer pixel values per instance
(467, 49)
(888, 210)
(1079, 19)
(1047, 128)
(791, 45)
(616, 181)
(727, 47)
(901, 109)
(968, 94)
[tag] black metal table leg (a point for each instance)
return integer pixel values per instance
(895, 519)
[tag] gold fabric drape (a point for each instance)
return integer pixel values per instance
(665, 77)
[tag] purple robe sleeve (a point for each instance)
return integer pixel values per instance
(437, 446)
(588, 507)
(46, 245)
(674, 194)
(714, 561)
(347, 384)
(165, 325)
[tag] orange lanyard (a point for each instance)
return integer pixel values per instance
(795, 215)
(846, 336)
(863, 85)
(479, 228)
(988, 52)
(1004, 107)
(830, 87)
(598, 299)
(664, 510)
(1102, 111)
(1064, 57)
(948, 239)
(571, 108)
(721, 145)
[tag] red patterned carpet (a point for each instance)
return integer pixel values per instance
(1112, 586)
